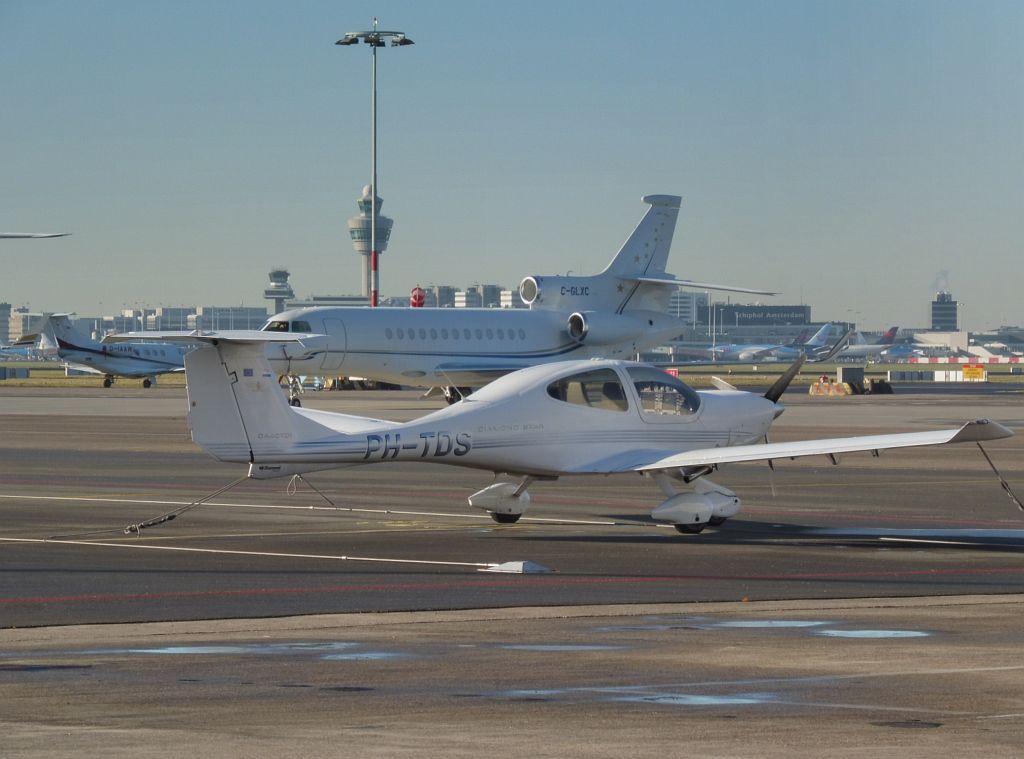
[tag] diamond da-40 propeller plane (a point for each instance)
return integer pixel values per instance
(539, 423)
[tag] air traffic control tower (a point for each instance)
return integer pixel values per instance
(279, 290)
(359, 231)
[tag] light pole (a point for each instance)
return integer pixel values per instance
(374, 39)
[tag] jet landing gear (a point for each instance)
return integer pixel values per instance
(294, 389)
(108, 380)
(454, 394)
(505, 501)
(709, 504)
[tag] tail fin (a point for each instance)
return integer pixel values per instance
(67, 336)
(822, 337)
(645, 252)
(238, 412)
(889, 337)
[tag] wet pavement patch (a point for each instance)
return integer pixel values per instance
(42, 667)
(232, 649)
(700, 699)
(872, 634)
(559, 647)
(346, 688)
(768, 624)
(908, 723)
(366, 656)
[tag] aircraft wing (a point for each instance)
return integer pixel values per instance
(212, 336)
(30, 235)
(976, 431)
(696, 285)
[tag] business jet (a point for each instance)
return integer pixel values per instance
(614, 314)
(540, 423)
(121, 359)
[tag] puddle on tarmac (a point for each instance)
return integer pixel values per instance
(765, 624)
(366, 656)
(558, 647)
(234, 648)
(872, 634)
(700, 699)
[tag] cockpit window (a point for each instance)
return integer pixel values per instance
(661, 394)
(282, 326)
(598, 389)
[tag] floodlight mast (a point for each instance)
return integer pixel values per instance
(375, 39)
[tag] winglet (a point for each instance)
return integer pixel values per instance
(981, 429)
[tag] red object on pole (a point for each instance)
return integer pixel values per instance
(373, 280)
(418, 297)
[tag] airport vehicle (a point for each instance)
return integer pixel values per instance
(122, 359)
(539, 423)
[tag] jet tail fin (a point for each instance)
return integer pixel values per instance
(646, 249)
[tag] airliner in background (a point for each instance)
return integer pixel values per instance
(822, 343)
(144, 359)
(861, 348)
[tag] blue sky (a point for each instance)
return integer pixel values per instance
(848, 154)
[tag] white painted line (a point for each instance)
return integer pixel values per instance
(151, 547)
(545, 520)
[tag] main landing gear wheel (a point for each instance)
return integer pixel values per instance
(146, 383)
(717, 521)
(107, 381)
(691, 529)
(505, 518)
(295, 402)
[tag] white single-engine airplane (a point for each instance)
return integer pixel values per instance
(614, 314)
(121, 359)
(543, 422)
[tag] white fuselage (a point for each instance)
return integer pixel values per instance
(441, 346)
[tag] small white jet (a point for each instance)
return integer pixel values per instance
(122, 359)
(539, 423)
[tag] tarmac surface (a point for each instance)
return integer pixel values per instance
(253, 624)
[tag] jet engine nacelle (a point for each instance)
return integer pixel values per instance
(601, 328)
(698, 508)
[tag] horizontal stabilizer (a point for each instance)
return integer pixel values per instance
(695, 285)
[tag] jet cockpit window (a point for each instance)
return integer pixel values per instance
(281, 326)
(662, 394)
(598, 389)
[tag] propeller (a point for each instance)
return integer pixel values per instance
(779, 387)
